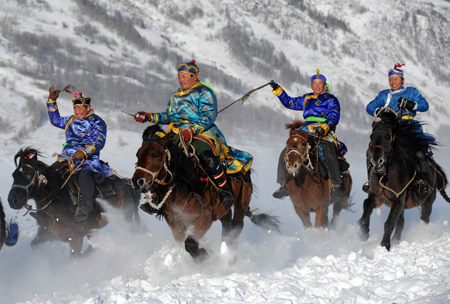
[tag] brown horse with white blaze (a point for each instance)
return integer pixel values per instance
(308, 184)
(189, 205)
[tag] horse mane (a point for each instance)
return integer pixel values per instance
(185, 173)
(153, 133)
(296, 124)
(410, 139)
(53, 177)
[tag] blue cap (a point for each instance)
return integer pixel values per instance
(396, 70)
(318, 76)
(190, 67)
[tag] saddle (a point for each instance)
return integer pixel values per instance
(104, 186)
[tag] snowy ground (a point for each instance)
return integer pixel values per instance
(295, 266)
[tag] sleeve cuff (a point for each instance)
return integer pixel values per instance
(278, 91)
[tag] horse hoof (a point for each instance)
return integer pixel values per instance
(202, 256)
(363, 236)
(386, 245)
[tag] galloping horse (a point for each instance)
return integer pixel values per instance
(394, 177)
(54, 207)
(308, 187)
(188, 205)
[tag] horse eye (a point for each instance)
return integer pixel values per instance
(156, 154)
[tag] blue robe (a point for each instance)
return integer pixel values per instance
(88, 134)
(197, 108)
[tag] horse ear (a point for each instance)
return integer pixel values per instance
(165, 140)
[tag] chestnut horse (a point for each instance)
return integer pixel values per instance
(55, 210)
(394, 176)
(308, 183)
(189, 205)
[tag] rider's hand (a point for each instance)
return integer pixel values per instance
(187, 133)
(274, 85)
(407, 104)
(321, 130)
(142, 117)
(53, 94)
(79, 154)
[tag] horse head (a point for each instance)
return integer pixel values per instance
(153, 158)
(297, 147)
(382, 140)
(26, 177)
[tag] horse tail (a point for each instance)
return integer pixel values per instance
(2, 225)
(441, 181)
(264, 220)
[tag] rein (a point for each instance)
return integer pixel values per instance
(306, 160)
(391, 190)
(154, 174)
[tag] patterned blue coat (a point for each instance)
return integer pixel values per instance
(317, 109)
(389, 98)
(322, 108)
(197, 108)
(88, 134)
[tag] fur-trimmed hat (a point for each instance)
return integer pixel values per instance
(396, 70)
(318, 76)
(80, 99)
(189, 67)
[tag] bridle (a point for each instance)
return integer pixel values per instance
(41, 179)
(385, 148)
(304, 157)
(155, 174)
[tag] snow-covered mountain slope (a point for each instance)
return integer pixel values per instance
(124, 53)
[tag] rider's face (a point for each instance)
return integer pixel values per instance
(396, 82)
(318, 86)
(81, 111)
(186, 80)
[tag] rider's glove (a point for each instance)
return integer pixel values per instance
(274, 85)
(407, 104)
(79, 154)
(187, 133)
(53, 94)
(321, 130)
(142, 117)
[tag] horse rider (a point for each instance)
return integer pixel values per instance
(85, 134)
(191, 113)
(321, 111)
(405, 101)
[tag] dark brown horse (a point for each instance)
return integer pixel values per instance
(187, 204)
(308, 184)
(395, 177)
(54, 207)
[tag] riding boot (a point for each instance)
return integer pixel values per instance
(424, 168)
(282, 175)
(87, 189)
(146, 207)
(334, 171)
(214, 169)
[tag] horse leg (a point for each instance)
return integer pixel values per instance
(304, 216)
(427, 207)
(364, 221)
(226, 226)
(399, 226)
(321, 214)
(397, 208)
(76, 245)
(42, 235)
(198, 254)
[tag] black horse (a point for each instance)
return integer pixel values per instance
(396, 178)
(54, 206)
